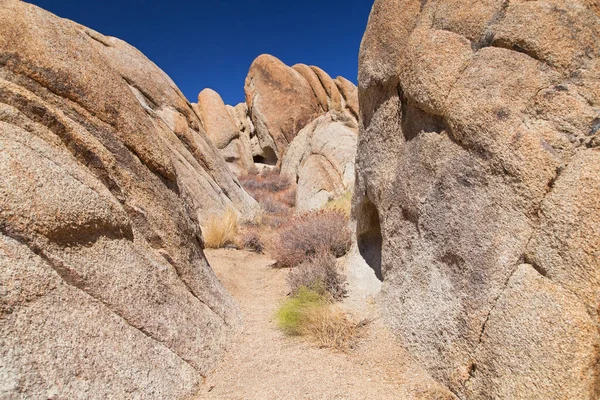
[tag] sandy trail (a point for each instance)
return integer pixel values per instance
(262, 363)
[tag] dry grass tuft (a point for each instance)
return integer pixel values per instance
(303, 237)
(221, 230)
(312, 315)
(320, 274)
(330, 327)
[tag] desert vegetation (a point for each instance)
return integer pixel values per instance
(319, 274)
(221, 230)
(309, 244)
(306, 235)
(314, 315)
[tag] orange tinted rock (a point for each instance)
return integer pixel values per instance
(281, 102)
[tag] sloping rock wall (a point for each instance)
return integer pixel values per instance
(105, 176)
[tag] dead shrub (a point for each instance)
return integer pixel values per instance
(250, 240)
(307, 235)
(330, 327)
(319, 274)
(288, 197)
(275, 221)
(273, 192)
(272, 206)
(267, 181)
(220, 230)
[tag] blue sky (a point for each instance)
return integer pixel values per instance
(212, 43)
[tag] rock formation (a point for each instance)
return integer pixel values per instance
(106, 172)
(283, 100)
(296, 118)
(321, 160)
(225, 131)
(478, 184)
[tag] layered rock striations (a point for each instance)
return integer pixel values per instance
(478, 174)
(106, 173)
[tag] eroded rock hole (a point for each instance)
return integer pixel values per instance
(369, 237)
(267, 157)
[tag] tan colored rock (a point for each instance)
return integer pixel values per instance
(215, 118)
(281, 103)
(104, 288)
(333, 93)
(321, 160)
(349, 94)
(283, 100)
(248, 134)
(535, 321)
(315, 83)
(563, 34)
(478, 151)
(224, 131)
(567, 244)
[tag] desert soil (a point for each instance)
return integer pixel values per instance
(263, 363)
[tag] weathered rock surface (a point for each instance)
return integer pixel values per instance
(106, 173)
(478, 152)
(321, 160)
(283, 100)
(225, 131)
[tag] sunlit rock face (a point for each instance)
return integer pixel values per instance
(106, 174)
(283, 100)
(478, 190)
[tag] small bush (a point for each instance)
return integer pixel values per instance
(275, 221)
(290, 316)
(319, 274)
(275, 194)
(310, 314)
(272, 206)
(288, 197)
(221, 230)
(251, 240)
(267, 181)
(330, 327)
(307, 235)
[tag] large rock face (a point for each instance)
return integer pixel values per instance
(321, 160)
(478, 184)
(106, 172)
(283, 100)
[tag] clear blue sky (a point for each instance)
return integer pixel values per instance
(212, 43)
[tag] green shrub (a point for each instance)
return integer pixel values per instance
(292, 313)
(310, 314)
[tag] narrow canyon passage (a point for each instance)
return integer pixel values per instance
(263, 363)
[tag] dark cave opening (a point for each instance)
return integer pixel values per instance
(268, 157)
(370, 241)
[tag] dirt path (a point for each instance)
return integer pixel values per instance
(265, 364)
